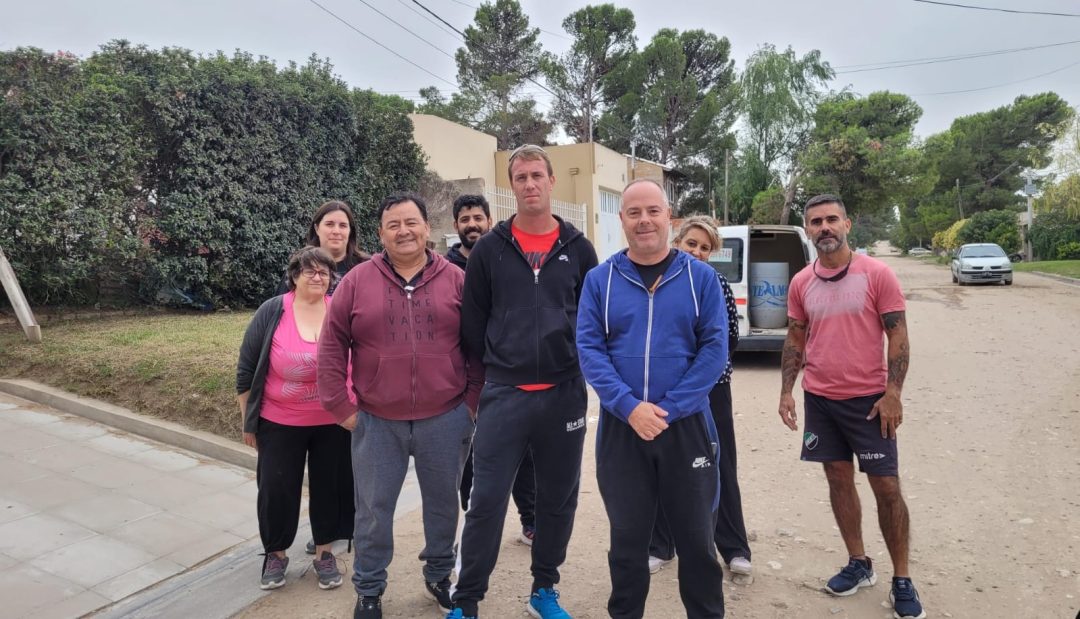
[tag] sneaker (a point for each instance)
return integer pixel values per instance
(457, 613)
(905, 600)
(368, 607)
(544, 604)
(740, 565)
(656, 564)
(440, 592)
(327, 571)
(273, 572)
(528, 532)
(856, 574)
(310, 548)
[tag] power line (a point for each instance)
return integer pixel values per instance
(1000, 10)
(368, 37)
(896, 64)
(400, 25)
(1026, 79)
(441, 27)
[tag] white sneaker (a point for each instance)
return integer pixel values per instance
(656, 564)
(740, 565)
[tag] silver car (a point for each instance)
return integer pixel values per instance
(981, 262)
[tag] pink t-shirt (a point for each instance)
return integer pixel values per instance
(845, 350)
(290, 393)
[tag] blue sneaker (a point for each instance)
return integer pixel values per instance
(905, 600)
(856, 574)
(457, 613)
(544, 604)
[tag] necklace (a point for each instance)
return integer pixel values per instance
(839, 276)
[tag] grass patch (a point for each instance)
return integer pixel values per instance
(1068, 268)
(180, 367)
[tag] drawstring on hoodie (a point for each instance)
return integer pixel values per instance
(607, 299)
(693, 292)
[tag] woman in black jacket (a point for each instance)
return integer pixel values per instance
(333, 228)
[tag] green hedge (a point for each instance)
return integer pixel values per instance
(138, 170)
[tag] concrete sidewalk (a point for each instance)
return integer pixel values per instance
(90, 515)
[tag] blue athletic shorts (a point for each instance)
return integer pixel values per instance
(836, 430)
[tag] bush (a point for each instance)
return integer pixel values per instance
(1052, 230)
(136, 170)
(991, 227)
(949, 238)
(1069, 251)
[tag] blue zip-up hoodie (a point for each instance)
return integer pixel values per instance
(667, 347)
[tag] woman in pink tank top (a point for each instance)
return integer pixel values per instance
(285, 423)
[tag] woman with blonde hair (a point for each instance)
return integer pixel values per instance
(698, 236)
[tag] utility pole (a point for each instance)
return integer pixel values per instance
(1029, 190)
(712, 196)
(727, 158)
(959, 203)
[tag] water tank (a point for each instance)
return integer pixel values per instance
(768, 294)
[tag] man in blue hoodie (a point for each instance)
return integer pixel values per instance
(652, 339)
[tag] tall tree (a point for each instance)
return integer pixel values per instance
(863, 150)
(779, 93)
(501, 53)
(676, 97)
(603, 41)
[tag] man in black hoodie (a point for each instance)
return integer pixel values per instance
(472, 220)
(519, 311)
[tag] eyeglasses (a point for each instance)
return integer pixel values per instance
(839, 276)
(315, 273)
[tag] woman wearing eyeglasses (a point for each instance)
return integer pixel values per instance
(286, 424)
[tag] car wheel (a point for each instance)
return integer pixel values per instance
(953, 277)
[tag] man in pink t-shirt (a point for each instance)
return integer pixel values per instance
(842, 309)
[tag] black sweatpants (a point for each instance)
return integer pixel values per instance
(677, 470)
(280, 477)
(511, 422)
(524, 491)
(730, 529)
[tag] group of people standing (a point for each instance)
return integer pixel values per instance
(475, 365)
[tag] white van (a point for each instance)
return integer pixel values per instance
(745, 245)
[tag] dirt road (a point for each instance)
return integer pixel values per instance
(989, 460)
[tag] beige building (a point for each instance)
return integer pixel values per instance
(589, 178)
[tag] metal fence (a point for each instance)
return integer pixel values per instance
(504, 204)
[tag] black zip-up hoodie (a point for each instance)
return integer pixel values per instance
(523, 325)
(455, 256)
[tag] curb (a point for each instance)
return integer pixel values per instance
(1072, 281)
(203, 443)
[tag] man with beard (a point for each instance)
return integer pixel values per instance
(839, 309)
(472, 219)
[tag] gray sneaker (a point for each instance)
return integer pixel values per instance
(273, 572)
(327, 570)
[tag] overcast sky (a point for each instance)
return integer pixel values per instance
(848, 32)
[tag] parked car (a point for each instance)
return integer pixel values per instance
(981, 262)
(743, 245)
(919, 251)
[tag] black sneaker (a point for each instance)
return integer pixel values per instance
(440, 592)
(368, 607)
(310, 548)
(856, 574)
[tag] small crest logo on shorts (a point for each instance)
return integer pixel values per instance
(700, 462)
(810, 440)
(575, 425)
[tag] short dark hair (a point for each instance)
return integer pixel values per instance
(308, 258)
(825, 198)
(397, 198)
(470, 200)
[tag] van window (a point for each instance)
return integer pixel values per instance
(729, 260)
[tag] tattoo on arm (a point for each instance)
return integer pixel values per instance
(892, 320)
(792, 359)
(898, 366)
(895, 324)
